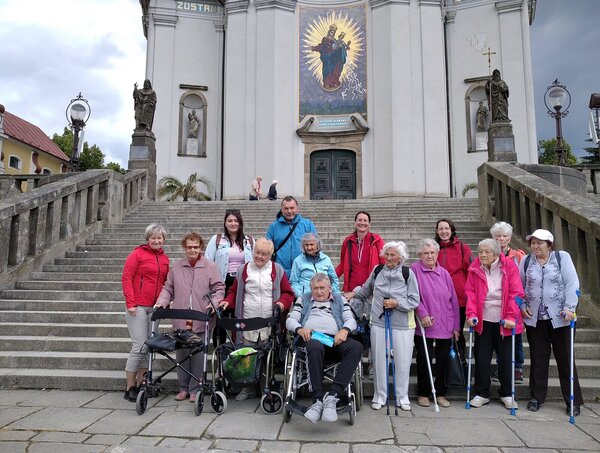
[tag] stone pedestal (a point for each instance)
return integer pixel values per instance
(481, 141)
(142, 155)
(192, 148)
(501, 143)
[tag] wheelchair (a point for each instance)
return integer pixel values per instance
(296, 384)
(230, 372)
(163, 343)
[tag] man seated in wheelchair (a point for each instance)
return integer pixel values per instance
(325, 312)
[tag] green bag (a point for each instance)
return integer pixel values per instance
(242, 366)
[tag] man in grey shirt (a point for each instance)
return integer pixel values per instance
(328, 313)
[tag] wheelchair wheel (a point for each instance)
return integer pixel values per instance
(141, 402)
(218, 402)
(272, 403)
(352, 409)
(358, 388)
(199, 403)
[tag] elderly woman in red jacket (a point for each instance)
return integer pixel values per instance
(189, 279)
(144, 274)
(492, 286)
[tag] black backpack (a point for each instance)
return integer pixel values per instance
(405, 273)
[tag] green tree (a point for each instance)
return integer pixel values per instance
(171, 188)
(547, 152)
(116, 167)
(90, 157)
(594, 155)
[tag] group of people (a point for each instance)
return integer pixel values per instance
(499, 293)
(256, 190)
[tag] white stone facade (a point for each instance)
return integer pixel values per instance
(237, 63)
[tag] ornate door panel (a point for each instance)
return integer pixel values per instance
(332, 175)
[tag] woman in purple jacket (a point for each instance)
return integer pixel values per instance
(438, 312)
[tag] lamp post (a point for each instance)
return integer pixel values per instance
(595, 122)
(78, 112)
(558, 101)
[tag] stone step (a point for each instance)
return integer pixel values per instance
(46, 285)
(61, 329)
(114, 380)
(62, 295)
(83, 268)
(99, 317)
(59, 275)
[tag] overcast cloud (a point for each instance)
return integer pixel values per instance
(52, 50)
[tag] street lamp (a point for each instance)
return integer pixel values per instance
(595, 122)
(78, 112)
(558, 101)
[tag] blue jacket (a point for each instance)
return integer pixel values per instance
(277, 232)
(306, 266)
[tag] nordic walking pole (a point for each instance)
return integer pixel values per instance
(387, 364)
(512, 370)
(388, 315)
(572, 373)
(468, 403)
(436, 407)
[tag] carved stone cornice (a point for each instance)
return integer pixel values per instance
(309, 132)
(430, 2)
(507, 6)
(450, 16)
(285, 5)
(236, 6)
(168, 20)
(379, 3)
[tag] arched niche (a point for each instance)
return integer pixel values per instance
(192, 108)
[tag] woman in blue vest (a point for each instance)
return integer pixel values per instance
(307, 264)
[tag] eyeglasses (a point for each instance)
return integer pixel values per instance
(192, 247)
(232, 211)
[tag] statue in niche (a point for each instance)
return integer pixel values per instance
(144, 102)
(497, 91)
(481, 117)
(194, 124)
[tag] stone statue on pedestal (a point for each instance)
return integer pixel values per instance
(144, 101)
(194, 124)
(481, 117)
(497, 91)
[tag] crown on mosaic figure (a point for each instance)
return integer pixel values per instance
(333, 27)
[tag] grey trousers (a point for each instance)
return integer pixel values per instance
(196, 367)
(139, 330)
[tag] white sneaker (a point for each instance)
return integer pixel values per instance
(329, 411)
(479, 401)
(507, 401)
(376, 406)
(405, 407)
(314, 412)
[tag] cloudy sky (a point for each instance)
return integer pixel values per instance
(52, 50)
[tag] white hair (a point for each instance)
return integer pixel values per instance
(399, 246)
(490, 244)
(155, 228)
(501, 227)
(423, 243)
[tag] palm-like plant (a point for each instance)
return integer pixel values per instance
(172, 188)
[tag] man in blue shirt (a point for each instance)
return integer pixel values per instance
(287, 246)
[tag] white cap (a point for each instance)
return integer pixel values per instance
(542, 235)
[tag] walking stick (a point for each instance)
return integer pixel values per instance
(512, 368)
(572, 374)
(468, 403)
(387, 363)
(388, 317)
(437, 408)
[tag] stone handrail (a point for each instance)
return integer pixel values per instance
(528, 202)
(37, 226)
(592, 172)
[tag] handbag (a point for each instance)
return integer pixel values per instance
(455, 376)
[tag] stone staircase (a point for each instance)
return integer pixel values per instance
(64, 327)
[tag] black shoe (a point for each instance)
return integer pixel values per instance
(131, 394)
(576, 410)
(533, 405)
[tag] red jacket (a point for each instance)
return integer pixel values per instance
(476, 290)
(375, 243)
(144, 275)
(456, 257)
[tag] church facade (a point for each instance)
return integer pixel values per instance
(334, 98)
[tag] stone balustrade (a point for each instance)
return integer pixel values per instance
(592, 173)
(528, 202)
(38, 225)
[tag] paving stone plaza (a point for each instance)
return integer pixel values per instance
(50, 421)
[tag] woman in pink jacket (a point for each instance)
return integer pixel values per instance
(189, 280)
(492, 285)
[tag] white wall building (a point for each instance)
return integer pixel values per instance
(334, 98)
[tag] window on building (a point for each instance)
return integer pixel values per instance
(15, 162)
